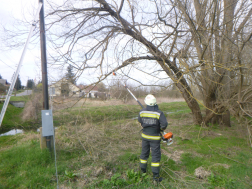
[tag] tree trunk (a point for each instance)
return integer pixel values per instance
(192, 103)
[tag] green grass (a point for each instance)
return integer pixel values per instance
(12, 120)
(221, 151)
(213, 153)
(114, 113)
(98, 114)
(20, 98)
(26, 166)
(6, 141)
(173, 106)
(12, 117)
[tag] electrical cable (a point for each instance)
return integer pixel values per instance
(55, 158)
(7, 65)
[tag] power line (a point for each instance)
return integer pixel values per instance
(7, 65)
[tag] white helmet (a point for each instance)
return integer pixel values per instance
(150, 100)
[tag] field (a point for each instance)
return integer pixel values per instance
(98, 145)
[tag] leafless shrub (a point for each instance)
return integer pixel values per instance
(101, 140)
(33, 107)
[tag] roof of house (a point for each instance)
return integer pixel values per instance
(88, 88)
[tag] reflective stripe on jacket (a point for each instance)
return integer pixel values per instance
(153, 121)
(150, 114)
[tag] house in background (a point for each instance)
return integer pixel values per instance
(4, 86)
(64, 88)
(88, 91)
(4, 82)
(92, 92)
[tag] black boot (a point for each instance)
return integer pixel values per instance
(157, 179)
(143, 170)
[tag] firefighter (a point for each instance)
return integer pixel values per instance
(153, 122)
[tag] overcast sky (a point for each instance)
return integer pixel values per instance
(24, 10)
(10, 10)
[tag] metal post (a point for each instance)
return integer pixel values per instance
(44, 67)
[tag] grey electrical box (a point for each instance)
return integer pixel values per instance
(47, 123)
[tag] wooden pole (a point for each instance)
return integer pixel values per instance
(44, 68)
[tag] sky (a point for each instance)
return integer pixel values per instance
(10, 10)
(24, 10)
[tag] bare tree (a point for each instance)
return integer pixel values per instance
(219, 30)
(117, 28)
(199, 44)
(194, 42)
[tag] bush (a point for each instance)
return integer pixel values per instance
(32, 109)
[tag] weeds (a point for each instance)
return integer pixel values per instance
(115, 180)
(136, 177)
(101, 149)
(222, 181)
(132, 178)
(70, 175)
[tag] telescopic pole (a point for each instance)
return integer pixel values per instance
(134, 96)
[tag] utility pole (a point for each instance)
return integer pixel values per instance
(44, 68)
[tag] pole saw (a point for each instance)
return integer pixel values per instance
(133, 96)
(166, 137)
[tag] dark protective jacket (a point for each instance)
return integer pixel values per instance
(153, 121)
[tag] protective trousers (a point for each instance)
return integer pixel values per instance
(154, 145)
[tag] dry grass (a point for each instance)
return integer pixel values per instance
(33, 107)
(104, 140)
(100, 140)
(29, 136)
(63, 103)
(159, 100)
(101, 143)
